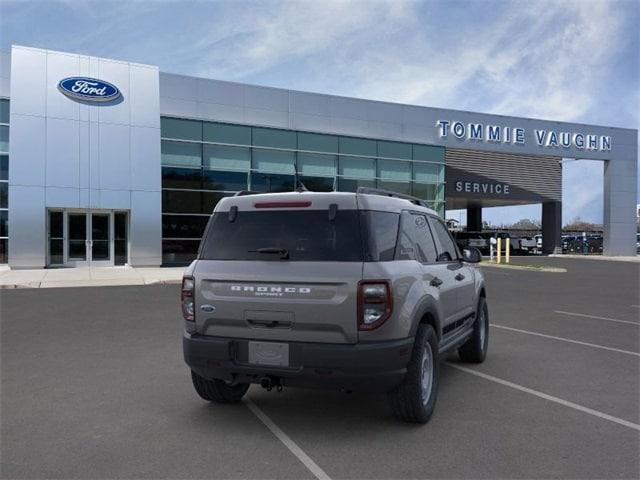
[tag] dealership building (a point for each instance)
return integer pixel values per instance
(107, 162)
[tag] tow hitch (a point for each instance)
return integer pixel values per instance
(268, 383)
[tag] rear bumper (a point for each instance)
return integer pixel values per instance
(373, 367)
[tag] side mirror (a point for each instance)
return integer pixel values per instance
(471, 255)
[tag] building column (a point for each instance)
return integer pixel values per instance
(474, 218)
(620, 198)
(552, 227)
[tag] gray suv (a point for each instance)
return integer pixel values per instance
(356, 291)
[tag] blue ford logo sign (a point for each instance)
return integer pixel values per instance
(89, 89)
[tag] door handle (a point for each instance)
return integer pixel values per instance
(436, 282)
(459, 277)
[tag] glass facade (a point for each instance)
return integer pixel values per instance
(4, 180)
(203, 162)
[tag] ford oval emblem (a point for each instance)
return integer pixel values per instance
(89, 89)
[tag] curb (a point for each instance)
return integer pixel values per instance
(97, 283)
(524, 267)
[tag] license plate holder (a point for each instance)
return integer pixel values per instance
(269, 353)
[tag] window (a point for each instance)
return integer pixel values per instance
(317, 143)
(182, 129)
(427, 153)
(358, 146)
(184, 226)
(394, 150)
(306, 235)
(317, 184)
(4, 139)
(265, 182)
(4, 195)
(318, 165)
(447, 250)
(228, 181)
(120, 244)
(350, 185)
(4, 111)
(271, 137)
(179, 251)
(4, 223)
(227, 158)
(428, 173)
(224, 133)
(357, 167)
(380, 234)
(176, 201)
(190, 178)
(274, 161)
(180, 153)
(428, 191)
(415, 241)
(4, 167)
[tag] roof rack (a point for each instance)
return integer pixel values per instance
(388, 193)
(242, 193)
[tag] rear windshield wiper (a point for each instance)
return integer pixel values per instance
(283, 252)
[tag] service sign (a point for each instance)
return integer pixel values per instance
(88, 89)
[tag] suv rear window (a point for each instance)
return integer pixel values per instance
(293, 235)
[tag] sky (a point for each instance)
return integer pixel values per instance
(558, 60)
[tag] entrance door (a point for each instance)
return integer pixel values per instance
(100, 242)
(87, 238)
(77, 240)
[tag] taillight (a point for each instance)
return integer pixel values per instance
(375, 303)
(186, 298)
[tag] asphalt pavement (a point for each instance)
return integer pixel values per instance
(94, 386)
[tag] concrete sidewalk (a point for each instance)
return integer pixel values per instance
(88, 277)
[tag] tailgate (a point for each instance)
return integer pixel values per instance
(288, 301)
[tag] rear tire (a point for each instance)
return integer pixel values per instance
(218, 391)
(474, 350)
(415, 399)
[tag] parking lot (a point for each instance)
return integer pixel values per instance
(94, 386)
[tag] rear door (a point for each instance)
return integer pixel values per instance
(462, 276)
(280, 274)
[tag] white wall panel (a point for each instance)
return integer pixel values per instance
(115, 156)
(266, 98)
(28, 227)
(146, 228)
(115, 199)
(28, 81)
(179, 87)
(62, 197)
(83, 161)
(271, 118)
(63, 153)
(145, 155)
(94, 155)
(118, 74)
(310, 103)
(223, 93)
(27, 140)
(59, 66)
(223, 113)
(144, 97)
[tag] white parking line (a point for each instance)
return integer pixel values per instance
(284, 438)
(608, 319)
(563, 339)
(551, 398)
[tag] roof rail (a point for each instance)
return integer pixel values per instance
(388, 193)
(242, 193)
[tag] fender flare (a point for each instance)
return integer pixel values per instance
(428, 305)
